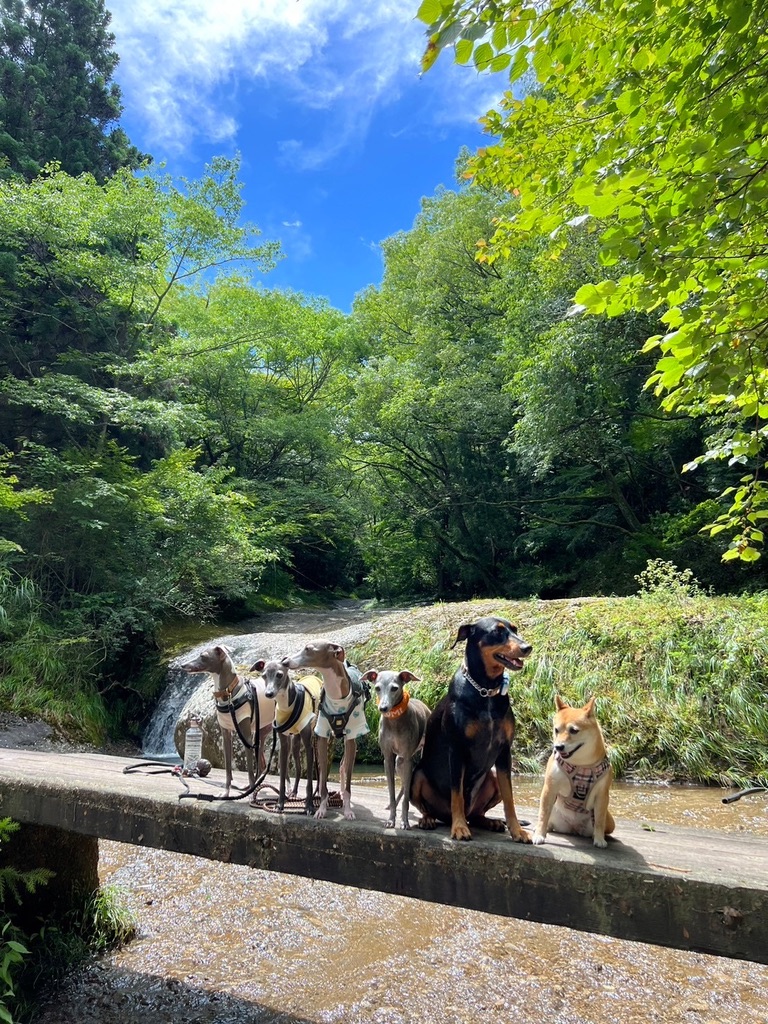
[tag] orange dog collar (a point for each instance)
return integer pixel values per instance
(398, 709)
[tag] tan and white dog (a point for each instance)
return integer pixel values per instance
(578, 778)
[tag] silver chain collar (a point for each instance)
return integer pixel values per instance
(483, 690)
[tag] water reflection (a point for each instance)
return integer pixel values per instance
(223, 945)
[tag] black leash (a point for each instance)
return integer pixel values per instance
(178, 772)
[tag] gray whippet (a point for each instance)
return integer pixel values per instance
(401, 734)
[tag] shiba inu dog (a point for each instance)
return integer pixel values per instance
(578, 778)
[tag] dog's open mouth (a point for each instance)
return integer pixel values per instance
(514, 664)
(565, 754)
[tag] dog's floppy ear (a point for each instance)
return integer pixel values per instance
(560, 703)
(258, 666)
(371, 676)
(338, 652)
(465, 631)
(407, 677)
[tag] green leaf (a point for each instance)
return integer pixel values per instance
(499, 37)
(483, 56)
(430, 11)
(500, 62)
(463, 51)
(589, 297)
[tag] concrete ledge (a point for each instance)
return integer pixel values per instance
(683, 888)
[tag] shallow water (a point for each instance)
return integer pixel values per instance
(223, 944)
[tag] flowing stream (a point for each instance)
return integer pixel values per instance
(223, 944)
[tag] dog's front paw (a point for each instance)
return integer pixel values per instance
(600, 843)
(389, 823)
(404, 823)
(461, 832)
(427, 823)
(349, 814)
(539, 839)
(521, 836)
(321, 811)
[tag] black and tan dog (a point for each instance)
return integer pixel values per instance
(466, 766)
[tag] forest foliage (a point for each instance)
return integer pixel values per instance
(178, 442)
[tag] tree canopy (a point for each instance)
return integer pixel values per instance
(645, 124)
(58, 103)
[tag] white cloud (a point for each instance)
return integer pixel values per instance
(182, 63)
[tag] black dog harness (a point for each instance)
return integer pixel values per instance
(296, 709)
(230, 701)
(359, 690)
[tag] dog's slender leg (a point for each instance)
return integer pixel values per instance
(389, 771)
(322, 775)
(226, 739)
(603, 819)
(546, 805)
(296, 757)
(285, 749)
(459, 825)
(406, 771)
(263, 736)
(347, 764)
(307, 738)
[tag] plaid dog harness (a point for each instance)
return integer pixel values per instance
(582, 778)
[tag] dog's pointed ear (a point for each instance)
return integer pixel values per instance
(371, 676)
(589, 707)
(560, 703)
(258, 666)
(465, 631)
(407, 677)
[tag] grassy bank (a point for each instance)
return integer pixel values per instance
(681, 679)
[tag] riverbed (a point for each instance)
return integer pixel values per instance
(222, 944)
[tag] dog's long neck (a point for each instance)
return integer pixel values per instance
(227, 676)
(336, 681)
(286, 697)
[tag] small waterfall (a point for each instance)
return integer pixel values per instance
(348, 622)
(158, 738)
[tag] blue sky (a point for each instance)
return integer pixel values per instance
(339, 136)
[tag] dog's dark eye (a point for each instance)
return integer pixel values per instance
(573, 730)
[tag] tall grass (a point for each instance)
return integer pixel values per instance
(46, 672)
(681, 679)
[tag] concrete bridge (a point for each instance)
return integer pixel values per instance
(683, 888)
